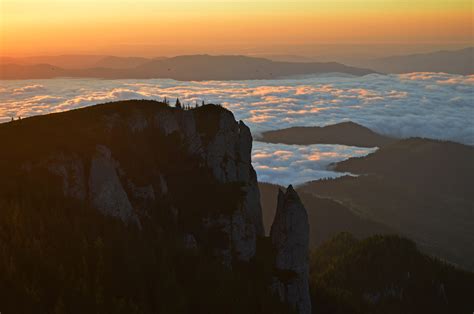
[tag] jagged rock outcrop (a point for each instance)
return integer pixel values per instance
(290, 238)
(180, 182)
(226, 151)
(139, 159)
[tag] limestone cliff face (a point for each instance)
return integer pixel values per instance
(184, 176)
(290, 238)
(226, 150)
(106, 192)
(134, 166)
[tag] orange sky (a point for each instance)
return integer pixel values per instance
(167, 27)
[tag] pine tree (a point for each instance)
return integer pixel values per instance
(178, 104)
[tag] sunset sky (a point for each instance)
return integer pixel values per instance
(167, 27)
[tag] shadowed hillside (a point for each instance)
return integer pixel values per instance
(385, 274)
(419, 187)
(326, 217)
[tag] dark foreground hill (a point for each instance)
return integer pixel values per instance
(385, 274)
(368, 272)
(137, 207)
(195, 67)
(360, 266)
(418, 187)
(344, 133)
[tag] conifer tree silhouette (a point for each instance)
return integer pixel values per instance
(178, 104)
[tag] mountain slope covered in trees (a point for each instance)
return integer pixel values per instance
(385, 274)
(421, 188)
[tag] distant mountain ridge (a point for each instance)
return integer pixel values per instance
(113, 62)
(68, 61)
(459, 61)
(453, 61)
(344, 133)
(192, 67)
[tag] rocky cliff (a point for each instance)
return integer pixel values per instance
(290, 238)
(183, 176)
(131, 159)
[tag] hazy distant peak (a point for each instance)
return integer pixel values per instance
(214, 58)
(448, 61)
(114, 62)
(434, 53)
(191, 68)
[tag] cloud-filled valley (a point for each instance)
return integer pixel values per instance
(297, 164)
(432, 105)
(420, 104)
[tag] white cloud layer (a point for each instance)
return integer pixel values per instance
(433, 105)
(296, 164)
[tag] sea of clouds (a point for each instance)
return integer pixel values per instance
(433, 105)
(297, 164)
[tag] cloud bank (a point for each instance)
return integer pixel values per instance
(296, 164)
(433, 105)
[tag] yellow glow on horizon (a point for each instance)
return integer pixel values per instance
(100, 26)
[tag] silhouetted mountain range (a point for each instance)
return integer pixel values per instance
(454, 62)
(195, 67)
(63, 61)
(37, 71)
(112, 62)
(344, 133)
(449, 61)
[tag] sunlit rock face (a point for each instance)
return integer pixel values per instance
(290, 238)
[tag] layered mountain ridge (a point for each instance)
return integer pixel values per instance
(183, 68)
